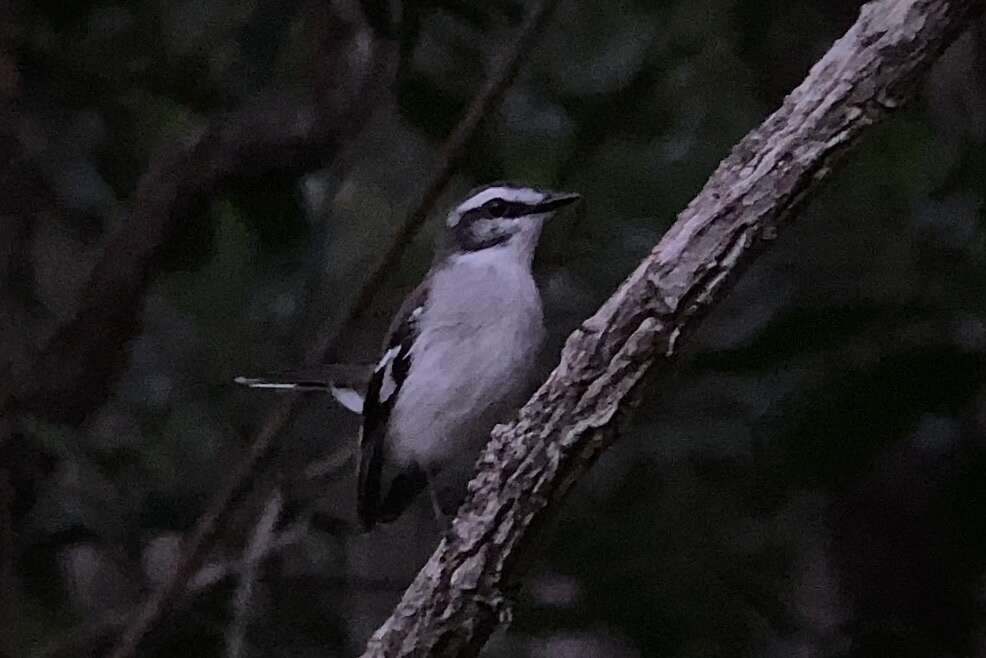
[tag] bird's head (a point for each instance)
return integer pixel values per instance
(503, 215)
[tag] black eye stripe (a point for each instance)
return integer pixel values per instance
(510, 209)
(496, 208)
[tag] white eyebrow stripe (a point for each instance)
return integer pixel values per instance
(516, 194)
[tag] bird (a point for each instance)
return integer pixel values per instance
(459, 356)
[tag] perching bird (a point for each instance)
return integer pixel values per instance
(459, 356)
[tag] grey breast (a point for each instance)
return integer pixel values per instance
(472, 365)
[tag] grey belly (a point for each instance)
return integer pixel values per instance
(456, 392)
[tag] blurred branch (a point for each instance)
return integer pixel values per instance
(461, 594)
(204, 533)
(253, 558)
(81, 639)
(72, 374)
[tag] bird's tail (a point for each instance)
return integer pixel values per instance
(346, 383)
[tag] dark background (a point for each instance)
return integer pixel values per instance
(807, 482)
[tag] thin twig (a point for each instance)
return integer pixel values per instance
(329, 466)
(161, 600)
(80, 639)
(253, 557)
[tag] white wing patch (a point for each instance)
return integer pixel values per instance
(387, 358)
(388, 382)
(349, 398)
(515, 194)
(388, 385)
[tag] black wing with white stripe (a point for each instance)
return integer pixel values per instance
(385, 384)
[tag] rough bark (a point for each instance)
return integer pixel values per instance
(460, 595)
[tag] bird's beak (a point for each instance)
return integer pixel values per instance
(555, 200)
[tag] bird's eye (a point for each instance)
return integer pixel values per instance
(496, 208)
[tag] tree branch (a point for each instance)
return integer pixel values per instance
(459, 597)
(257, 549)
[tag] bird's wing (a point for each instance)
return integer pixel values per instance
(385, 384)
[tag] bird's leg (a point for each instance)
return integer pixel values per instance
(444, 501)
(441, 518)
